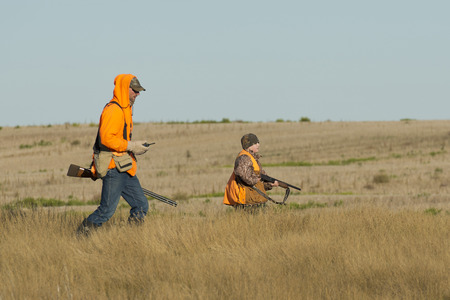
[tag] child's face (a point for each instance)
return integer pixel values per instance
(254, 148)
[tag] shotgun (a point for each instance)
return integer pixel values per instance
(77, 171)
(281, 183)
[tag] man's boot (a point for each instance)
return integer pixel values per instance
(133, 220)
(86, 227)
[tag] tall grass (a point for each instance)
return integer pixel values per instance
(364, 253)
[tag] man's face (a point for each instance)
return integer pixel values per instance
(254, 148)
(133, 95)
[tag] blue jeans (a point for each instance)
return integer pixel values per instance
(116, 184)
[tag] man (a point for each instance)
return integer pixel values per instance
(114, 157)
(245, 188)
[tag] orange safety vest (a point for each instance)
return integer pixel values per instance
(235, 193)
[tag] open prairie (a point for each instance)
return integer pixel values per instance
(371, 222)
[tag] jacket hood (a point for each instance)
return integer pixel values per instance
(121, 89)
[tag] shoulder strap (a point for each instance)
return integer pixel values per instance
(286, 195)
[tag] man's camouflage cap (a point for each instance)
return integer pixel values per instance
(249, 140)
(135, 85)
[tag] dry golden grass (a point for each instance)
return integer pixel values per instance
(365, 253)
(372, 221)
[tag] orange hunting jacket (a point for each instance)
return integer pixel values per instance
(234, 191)
(116, 122)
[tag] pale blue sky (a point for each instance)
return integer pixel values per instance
(241, 60)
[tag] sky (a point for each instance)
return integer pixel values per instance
(241, 60)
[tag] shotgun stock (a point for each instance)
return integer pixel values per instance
(77, 171)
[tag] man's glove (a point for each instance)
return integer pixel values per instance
(138, 147)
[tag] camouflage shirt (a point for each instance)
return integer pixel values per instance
(243, 169)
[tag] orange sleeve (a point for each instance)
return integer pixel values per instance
(111, 128)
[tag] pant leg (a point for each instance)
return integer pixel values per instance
(113, 185)
(133, 194)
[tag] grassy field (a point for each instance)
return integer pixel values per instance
(372, 221)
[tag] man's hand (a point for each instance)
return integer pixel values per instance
(138, 147)
(275, 183)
